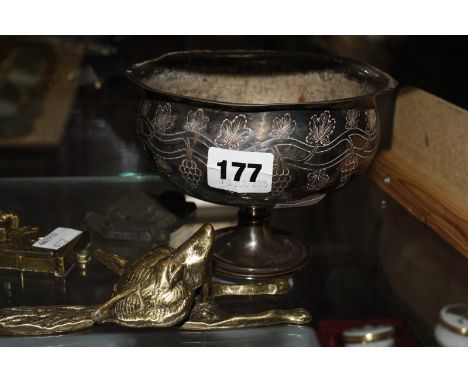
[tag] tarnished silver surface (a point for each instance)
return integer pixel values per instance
(315, 114)
(315, 151)
(322, 125)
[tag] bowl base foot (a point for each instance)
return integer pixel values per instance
(253, 250)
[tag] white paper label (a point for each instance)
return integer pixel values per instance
(57, 238)
(240, 171)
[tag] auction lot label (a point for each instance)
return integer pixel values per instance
(240, 171)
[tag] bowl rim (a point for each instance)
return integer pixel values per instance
(365, 99)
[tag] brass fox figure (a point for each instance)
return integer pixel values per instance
(164, 287)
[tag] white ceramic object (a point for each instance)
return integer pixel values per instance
(379, 335)
(452, 329)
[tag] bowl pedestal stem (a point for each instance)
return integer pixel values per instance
(252, 250)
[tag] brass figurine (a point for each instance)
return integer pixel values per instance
(40, 320)
(164, 287)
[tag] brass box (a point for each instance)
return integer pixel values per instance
(17, 251)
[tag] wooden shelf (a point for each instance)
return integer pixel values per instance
(424, 197)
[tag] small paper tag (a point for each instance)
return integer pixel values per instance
(57, 238)
(239, 171)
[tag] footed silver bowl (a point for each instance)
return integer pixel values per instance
(258, 130)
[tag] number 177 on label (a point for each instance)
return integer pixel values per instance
(239, 171)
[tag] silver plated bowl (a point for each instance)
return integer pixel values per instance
(315, 116)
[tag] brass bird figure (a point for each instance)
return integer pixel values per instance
(164, 287)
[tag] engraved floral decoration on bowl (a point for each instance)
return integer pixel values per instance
(352, 119)
(281, 180)
(303, 145)
(233, 132)
(163, 118)
(317, 180)
(321, 127)
(190, 172)
(347, 168)
(282, 127)
(158, 119)
(196, 121)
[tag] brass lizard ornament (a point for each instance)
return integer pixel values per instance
(164, 287)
